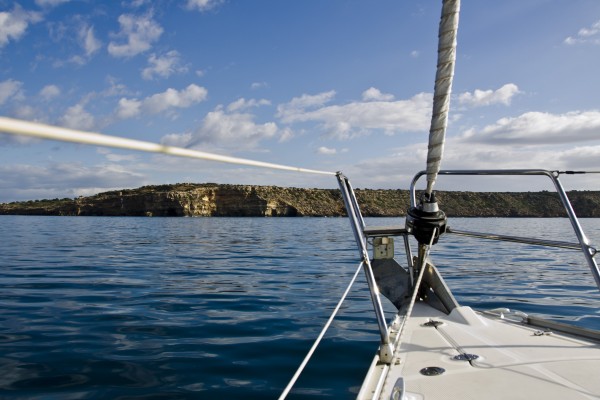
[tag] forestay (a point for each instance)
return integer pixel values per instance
(442, 89)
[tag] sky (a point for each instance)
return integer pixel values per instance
(336, 85)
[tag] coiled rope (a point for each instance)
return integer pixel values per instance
(42, 131)
(443, 88)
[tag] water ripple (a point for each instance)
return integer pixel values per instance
(150, 308)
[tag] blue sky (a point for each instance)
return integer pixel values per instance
(332, 85)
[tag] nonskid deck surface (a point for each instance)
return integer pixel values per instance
(515, 361)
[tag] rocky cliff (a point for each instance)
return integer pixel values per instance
(213, 200)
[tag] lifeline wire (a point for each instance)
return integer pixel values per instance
(318, 340)
(34, 129)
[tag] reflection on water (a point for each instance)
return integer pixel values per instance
(190, 307)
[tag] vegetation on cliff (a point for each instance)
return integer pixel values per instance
(210, 200)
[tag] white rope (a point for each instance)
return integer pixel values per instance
(33, 129)
(443, 88)
(318, 340)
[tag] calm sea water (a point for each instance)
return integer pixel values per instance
(212, 308)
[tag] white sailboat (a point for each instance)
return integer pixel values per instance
(434, 348)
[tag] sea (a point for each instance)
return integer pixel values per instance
(215, 308)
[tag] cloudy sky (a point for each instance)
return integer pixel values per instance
(331, 85)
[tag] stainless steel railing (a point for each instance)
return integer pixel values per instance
(583, 242)
(358, 226)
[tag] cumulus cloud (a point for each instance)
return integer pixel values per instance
(481, 98)
(50, 3)
(243, 104)
(63, 180)
(76, 117)
(298, 104)
(401, 164)
(116, 157)
(373, 94)
(10, 89)
(534, 128)
(202, 5)
(356, 118)
(172, 98)
(88, 40)
(139, 31)
(225, 128)
(128, 108)
(160, 102)
(326, 151)
(49, 92)
(26, 112)
(258, 85)
(163, 66)
(13, 24)
(586, 35)
(85, 38)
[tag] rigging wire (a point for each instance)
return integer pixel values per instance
(442, 89)
(318, 340)
(42, 131)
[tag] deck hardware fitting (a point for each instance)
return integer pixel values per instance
(432, 371)
(398, 390)
(465, 357)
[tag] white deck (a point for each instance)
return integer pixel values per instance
(513, 363)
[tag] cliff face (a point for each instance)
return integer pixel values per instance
(211, 200)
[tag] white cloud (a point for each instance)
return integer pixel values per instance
(177, 139)
(258, 85)
(242, 104)
(49, 92)
(10, 89)
(326, 150)
(26, 112)
(414, 54)
(89, 42)
(13, 24)
(160, 102)
(298, 104)
(581, 158)
(163, 66)
(172, 98)
(403, 163)
(481, 98)
(375, 94)
(586, 35)
(348, 120)
(50, 3)
(202, 5)
(139, 32)
(535, 128)
(138, 3)
(115, 157)
(77, 117)
(286, 134)
(129, 108)
(63, 180)
(224, 129)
